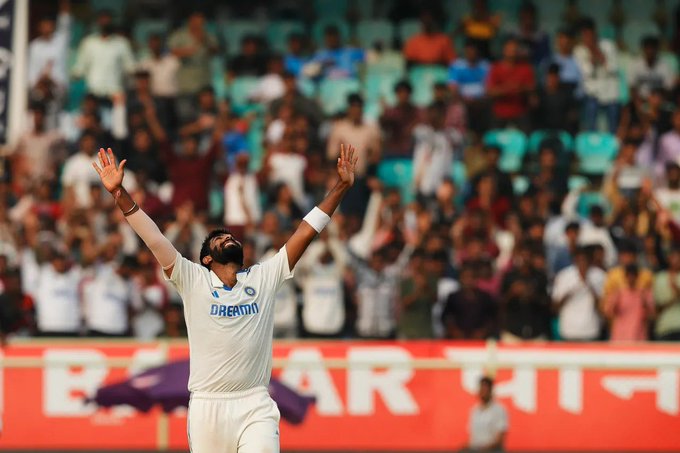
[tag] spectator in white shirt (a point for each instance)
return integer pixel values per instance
(55, 293)
(599, 64)
(286, 304)
(148, 320)
(109, 294)
(434, 151)
(162, 67)
(271, 84)
(76, 177)
(284, 165)
(576, 294)
(488, 421)
(320, 274)
(649, 72)
(47, 53)
(242, 208)
(669, 196)
(47, 59)
(104, 59)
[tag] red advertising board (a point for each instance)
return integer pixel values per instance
(376, 396)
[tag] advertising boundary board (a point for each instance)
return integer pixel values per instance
(384, 396)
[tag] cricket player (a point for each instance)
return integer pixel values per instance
(229, 314)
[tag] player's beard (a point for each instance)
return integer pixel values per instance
(226, 255)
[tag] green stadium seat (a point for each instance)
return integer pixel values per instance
(537, 137)
(116, 7)
(389, 62)
(144, 28)
(513, 145)
(279, 31)
(577, 182)
(408, 28)
(76, 93)
(218, 82)
(78, 32)
(398, 173)
(320, 25)
(255, 140)
(307, 87)
(520, 184)
(596, 151)
(634, 31)
(459, 174)
(423, 79)
(333, 94)
(380, 85)
(589, 199)
(234, 31)
(370, 31)
(331, 8)
(240, 90)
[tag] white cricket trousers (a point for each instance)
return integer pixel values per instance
(233, 422)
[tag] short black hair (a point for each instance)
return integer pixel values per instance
(572, 226)
(331, 30)
(493, 148)
(587, 24)
(650, 41)
(554, 68)
(403, 85)
(355, 98)
(486, 380)
(205, 247)
(627, 247)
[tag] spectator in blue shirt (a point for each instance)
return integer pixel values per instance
(469, 73)
(468, 76)
(570, 74)
(295, 59)
(335, 61)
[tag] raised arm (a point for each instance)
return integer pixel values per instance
(317, 219)
(111, 175)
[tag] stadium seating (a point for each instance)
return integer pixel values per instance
(319, 27)
(144, 28)
(235, 30)
(537, 137)
(577, 182)
(333, 94)
(380, 86)
(520, 184)
(459, 174)
(398, 173)
(407, 28)
(218, 82)
(116, 7)
(336, 9)
(240, 90)
(513, 145)
(307, 87)
(279, 31)
(369, 32)
(589, 199)
(595, 151)
(423, 79)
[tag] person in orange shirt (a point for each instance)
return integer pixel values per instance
(430, 47)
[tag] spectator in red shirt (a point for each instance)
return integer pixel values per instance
(430, 47)
(189, 171)
(509, 84)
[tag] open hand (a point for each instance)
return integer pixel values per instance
(110, 173)
(347, 163)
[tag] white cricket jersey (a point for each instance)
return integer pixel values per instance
(230, 329)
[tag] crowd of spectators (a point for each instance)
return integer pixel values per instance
(441, 256)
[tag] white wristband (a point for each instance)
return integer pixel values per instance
(317, 219)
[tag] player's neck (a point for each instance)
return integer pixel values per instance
(226, 272)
